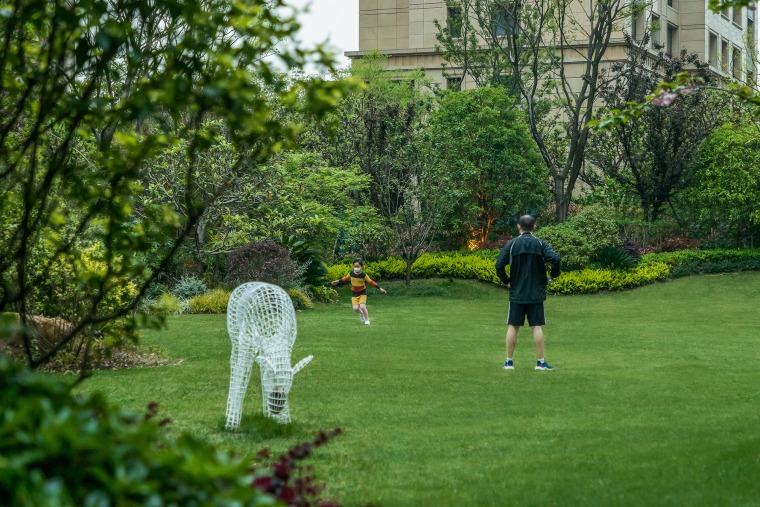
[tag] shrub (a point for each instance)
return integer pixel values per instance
(261, 261)
(300, 299)
(309, 258)
(574, 249)
(338, 271)
(597, 225)
(613, 257)
(63, 449)
(211, 302)
(324, 294)
(155, 290)
(166, 304)
(67, 281)
(189, 286)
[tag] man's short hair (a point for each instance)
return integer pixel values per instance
(526, 223)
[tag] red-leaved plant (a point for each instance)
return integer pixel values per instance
(290, 482)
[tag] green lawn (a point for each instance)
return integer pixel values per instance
(655, 399)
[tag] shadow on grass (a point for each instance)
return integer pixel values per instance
(258, 427)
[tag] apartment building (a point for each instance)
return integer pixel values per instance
(405, 31)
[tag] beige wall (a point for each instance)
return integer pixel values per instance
(405, 30)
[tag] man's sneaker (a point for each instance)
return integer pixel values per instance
(366, 323)
(543, 365)
(509, 365)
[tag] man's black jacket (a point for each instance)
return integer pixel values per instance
(527, 257)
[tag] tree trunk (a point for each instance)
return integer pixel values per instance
(561, 201)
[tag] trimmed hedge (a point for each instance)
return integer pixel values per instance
(696, 262)
(587, 281)
(480, 266)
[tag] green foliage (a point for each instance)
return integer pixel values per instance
(93, 93)
(211, 302)
(338, 270)
(324, 294)
(652, 154)
(189, 286)
(309, 258)
(379, 131)
(166, 304)
(261, 261)
(692, 262)
(574, 249)
(588, 281)
(456, 266)
(66, 450)
(580, 236)
(65, 282)
(482, 142)
(301, 300)
(597, 224)
(726, 189)
(615, 257)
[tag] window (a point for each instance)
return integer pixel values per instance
(737, 18)
(712, 50)
(736, 63)
(638, 23)
(454, 21)
(671, 44)
(504, 20)
(454, 83)
(655, 30)
(724, 14)
(724, 55)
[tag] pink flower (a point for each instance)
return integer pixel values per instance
(664, 99)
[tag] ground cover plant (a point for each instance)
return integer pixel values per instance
(653, 401)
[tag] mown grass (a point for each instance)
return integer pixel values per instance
(654, 400)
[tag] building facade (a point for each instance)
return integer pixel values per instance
(405, 31)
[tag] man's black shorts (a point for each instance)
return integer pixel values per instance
(518, 312)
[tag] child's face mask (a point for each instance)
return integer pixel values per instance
(357, 270)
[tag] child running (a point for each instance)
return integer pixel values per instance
(359, 288)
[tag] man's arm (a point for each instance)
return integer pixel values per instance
(553, 258)
(501, 264)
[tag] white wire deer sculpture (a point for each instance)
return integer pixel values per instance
(261, 323)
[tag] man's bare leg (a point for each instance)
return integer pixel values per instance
(511, 339)
(538, 341)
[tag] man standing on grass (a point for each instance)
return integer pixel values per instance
(527, 257)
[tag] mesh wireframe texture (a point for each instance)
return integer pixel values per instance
(261, 323)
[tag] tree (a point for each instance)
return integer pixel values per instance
(726, 186)
(652, 154)
(480, 140)
(70, 195)
(555, 50)
(379, 131)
